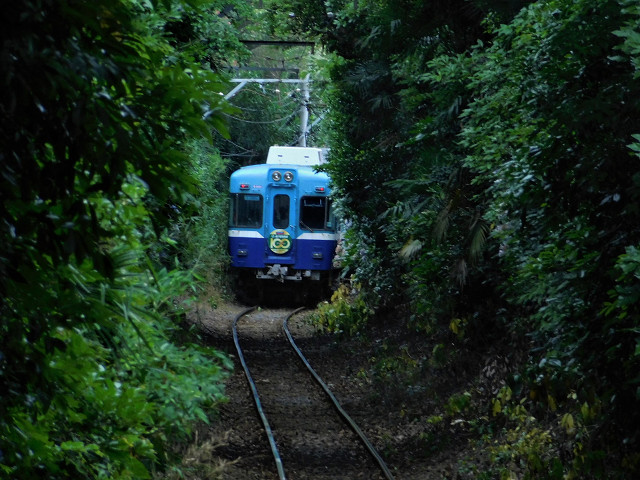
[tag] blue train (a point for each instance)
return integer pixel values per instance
(282, 228)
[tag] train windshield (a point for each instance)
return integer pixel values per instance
(246, 210)
(281, 211)
(316, 214)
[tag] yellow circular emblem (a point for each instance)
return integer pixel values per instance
(279, 241)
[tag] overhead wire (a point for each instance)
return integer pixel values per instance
(263, 122)
(291, 99)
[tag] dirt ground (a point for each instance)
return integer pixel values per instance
(400, 412)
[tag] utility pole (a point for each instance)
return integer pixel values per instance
(304, 113)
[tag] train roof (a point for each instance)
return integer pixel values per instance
(295, 155)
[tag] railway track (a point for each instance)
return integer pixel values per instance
(298, 411)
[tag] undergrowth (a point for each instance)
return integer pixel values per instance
(346, 313)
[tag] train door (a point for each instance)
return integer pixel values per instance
(279, 225)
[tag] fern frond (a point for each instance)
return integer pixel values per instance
(460, 272)
(442, 223)
(410, 249)
(479, 233)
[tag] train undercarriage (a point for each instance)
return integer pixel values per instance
(282, 285)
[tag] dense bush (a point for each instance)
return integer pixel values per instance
(200, 230)
(547, 134)
(487, 153)
(98, 102)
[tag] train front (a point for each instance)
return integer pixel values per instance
(281, 226)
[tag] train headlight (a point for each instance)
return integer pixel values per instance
(276, 176)
(288, 176)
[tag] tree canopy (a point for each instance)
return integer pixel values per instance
(99, 102)
(487, 155)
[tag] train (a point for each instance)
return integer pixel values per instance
(282, 226)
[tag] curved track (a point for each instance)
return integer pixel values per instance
(293, 418)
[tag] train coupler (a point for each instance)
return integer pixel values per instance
(279, 273)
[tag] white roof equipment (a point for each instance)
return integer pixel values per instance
(295, 156)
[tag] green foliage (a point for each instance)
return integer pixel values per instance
(545, 117)
(366, 261)
(214, 44)
(393, 363)
(529, 447)
(285, 18)
(535, 139)
(390, 123)
(113, 389)
(345, 314)
(622, 313)
(488, 163)
(528, 454)
(629, 32)
(97, 106)
(458, 403)
(202, 228)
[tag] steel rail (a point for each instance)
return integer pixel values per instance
(343, 413)
(256, 397)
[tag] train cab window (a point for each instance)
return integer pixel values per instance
(316, 214)
(281, 211)
(246, 210)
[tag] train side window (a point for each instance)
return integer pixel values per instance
(281, 211)
(315, 214)
(330, 217)
(246, 210)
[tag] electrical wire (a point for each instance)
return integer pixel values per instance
(269, 122)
